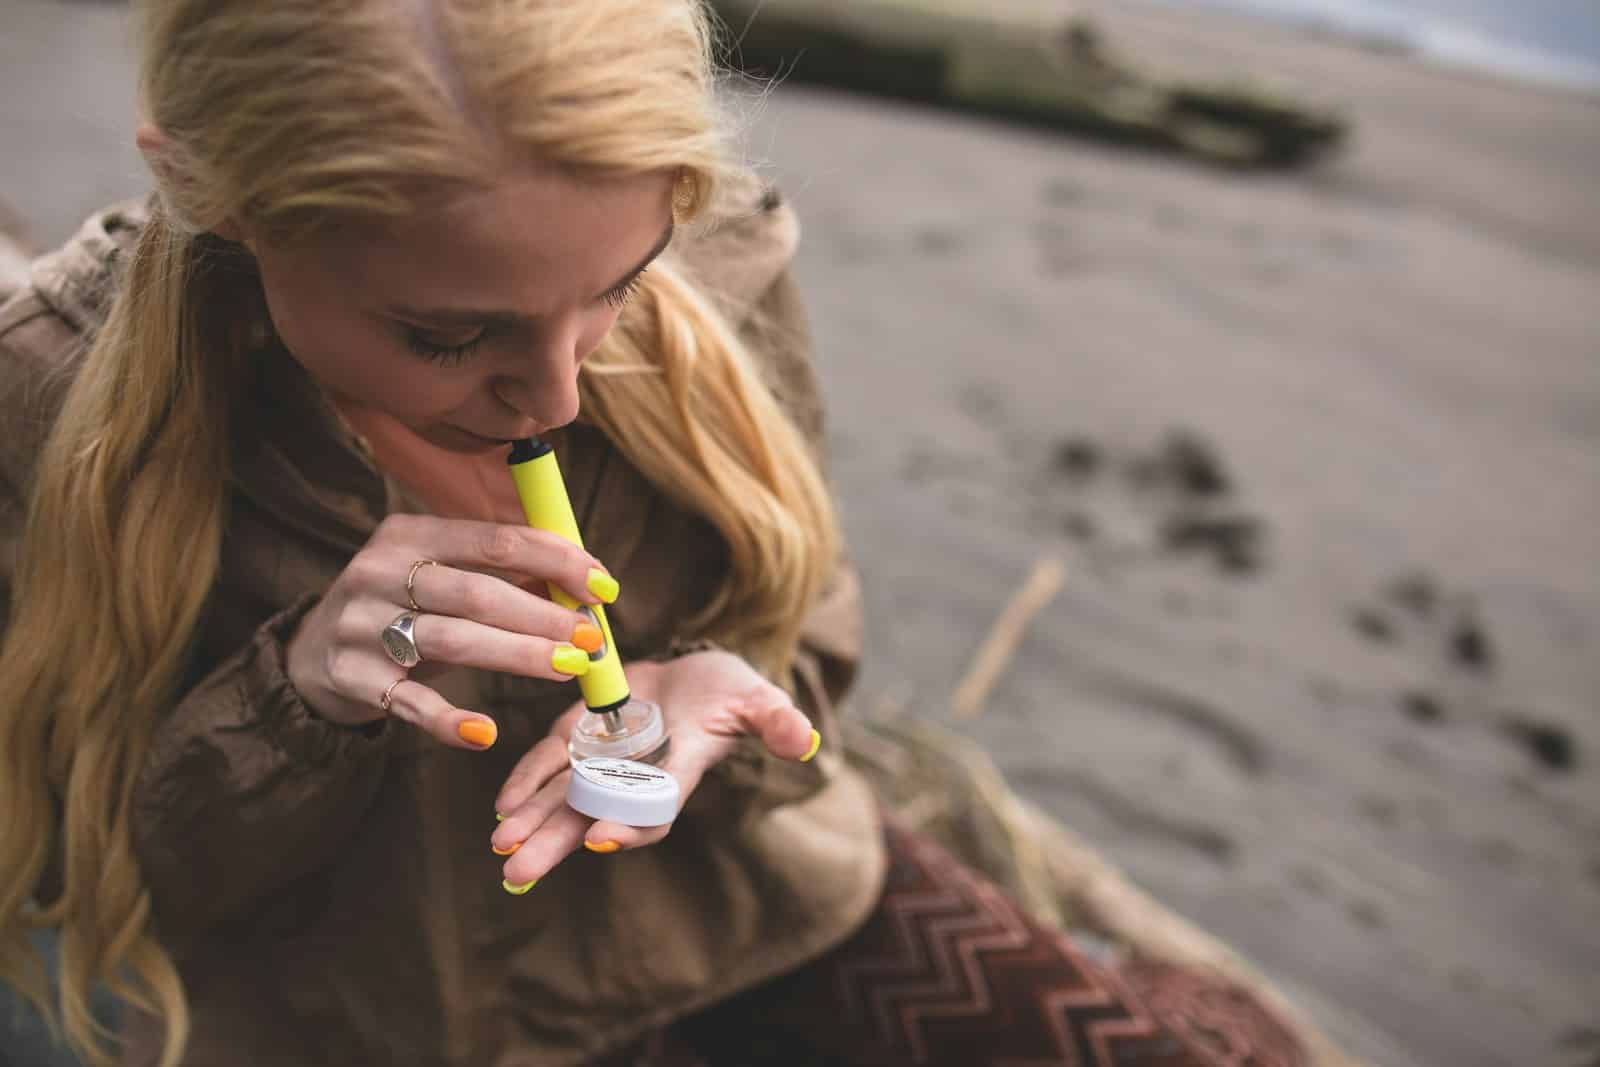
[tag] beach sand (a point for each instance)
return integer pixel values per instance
(1321, 452)
(1345, 714)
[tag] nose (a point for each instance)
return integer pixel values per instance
(550, 406)
(541, 382)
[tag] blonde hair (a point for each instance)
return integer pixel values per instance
(285, 117)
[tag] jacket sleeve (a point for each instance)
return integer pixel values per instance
(245, 789)
(242, 788)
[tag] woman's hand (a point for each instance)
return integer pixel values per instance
(709, 700)
(471, 615)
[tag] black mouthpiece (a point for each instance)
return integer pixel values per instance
(527, 448)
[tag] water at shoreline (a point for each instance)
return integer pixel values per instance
(1547, 42)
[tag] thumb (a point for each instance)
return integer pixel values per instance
(782, 727)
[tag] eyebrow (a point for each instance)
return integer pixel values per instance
(495, 317)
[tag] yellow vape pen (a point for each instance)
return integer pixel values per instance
(617, 726)
(545, 504)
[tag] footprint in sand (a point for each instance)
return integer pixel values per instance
(1414, 612)
(1415, 606)
(1173, 501)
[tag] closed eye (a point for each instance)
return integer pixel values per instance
(449, 353)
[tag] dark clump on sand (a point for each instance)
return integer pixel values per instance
(1469, 645)
(1551, 745)
(1583, 1041)
(1186, 463)
(1195, 465)
(1372, 625)
(1076, 458)
(1417, 592)
(1233, 540)
(1419, 599)
(1421, 707)
(1184, 487)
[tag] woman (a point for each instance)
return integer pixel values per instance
(249, 426)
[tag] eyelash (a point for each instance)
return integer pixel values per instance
(619, 297)
(455, 355)
(444, 355)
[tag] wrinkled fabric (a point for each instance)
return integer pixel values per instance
(330, 894)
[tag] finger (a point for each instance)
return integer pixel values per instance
(557, 839)
(538, 765)
(528, 817)
(782, 727)
(506, 549)
(606, 836)
(412, 702)
(465, 643)
(492, 601)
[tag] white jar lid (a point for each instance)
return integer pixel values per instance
(624, 791)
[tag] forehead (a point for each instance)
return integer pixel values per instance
(529, 241)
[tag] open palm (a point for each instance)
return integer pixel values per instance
(709, 701)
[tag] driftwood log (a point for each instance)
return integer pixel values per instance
(1061, 76)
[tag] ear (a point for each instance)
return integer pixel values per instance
(151, 141)
(156, 149)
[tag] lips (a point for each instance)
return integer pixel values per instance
(494, 440)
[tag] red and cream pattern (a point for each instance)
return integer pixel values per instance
(950, 972)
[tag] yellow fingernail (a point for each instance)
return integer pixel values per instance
(498, 851)
(588, 637)
(480, 732)
(498, 817)
(603, 585)
(816, 743)
(570, 660)
(517, 890)
(601, 846)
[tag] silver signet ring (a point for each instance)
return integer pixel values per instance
(400, 641)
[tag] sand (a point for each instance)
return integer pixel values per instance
(1343, 713)
(1320, 451)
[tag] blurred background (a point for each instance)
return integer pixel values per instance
(1275, 326)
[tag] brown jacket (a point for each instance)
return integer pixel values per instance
(331, 897)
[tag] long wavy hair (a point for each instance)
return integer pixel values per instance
(287, 116)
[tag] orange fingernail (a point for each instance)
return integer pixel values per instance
(816, 743)
(601, 846)
(498, 851)
(480, 732)
(588, 637)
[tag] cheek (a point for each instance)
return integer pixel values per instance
(593, 334)
(307, 316)
(346, 351)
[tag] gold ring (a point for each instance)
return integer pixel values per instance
(388, 694)
(411, 578)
